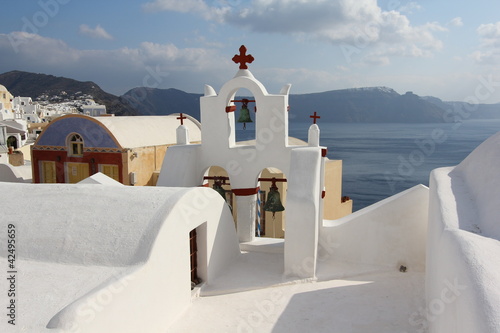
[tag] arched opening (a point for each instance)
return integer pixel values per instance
(12, 142)
(245, 116)
(217, 178)
(271, 223)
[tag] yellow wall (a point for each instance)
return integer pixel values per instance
(145, 164)
(5, 97)
(333, 208)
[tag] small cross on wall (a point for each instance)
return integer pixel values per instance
(181, 118)
(314, 117)
(243, 58)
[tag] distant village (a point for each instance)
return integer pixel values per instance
(24, 118)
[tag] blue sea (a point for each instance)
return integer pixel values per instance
(380, 160)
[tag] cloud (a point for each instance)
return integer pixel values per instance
(175, 5)
(489, 34)
(489, 44)
(150, 64)
(98, 32)
(408, 8)
(456, 22)
(199, 7)
(359, 23)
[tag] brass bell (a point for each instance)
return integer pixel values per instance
(273, 202)
(244, 114)
(218, 188)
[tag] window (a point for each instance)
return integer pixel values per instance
(75, 145)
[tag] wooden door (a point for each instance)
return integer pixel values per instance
(48, 172)
(193, 258)
(77, 172)
(111, 171)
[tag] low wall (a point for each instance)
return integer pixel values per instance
(15, 174)
(389, 233)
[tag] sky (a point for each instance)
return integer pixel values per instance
(446, 49)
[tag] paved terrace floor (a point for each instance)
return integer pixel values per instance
(253, 296)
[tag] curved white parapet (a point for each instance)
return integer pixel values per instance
(463, 248)
(480, 179)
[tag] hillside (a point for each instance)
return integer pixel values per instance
(349, 105)
(36, 85)
(465, 111)
(372, 105)
(150, 101)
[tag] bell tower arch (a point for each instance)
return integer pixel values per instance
(303, 164)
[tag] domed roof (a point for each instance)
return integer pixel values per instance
(2, 88)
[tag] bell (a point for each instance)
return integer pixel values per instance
(218, 188)
(245, 114)
(273, 202)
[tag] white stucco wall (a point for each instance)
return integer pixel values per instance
(19, 174)
(463, 249)
(303, 212)
(138, 235)
(387, 234)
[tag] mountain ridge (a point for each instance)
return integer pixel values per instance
(364, 104)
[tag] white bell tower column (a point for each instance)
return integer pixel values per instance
(246, 205)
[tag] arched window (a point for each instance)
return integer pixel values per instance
(75, 145)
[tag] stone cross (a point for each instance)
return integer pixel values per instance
(182, 118)
(243, 58)
(314, 117)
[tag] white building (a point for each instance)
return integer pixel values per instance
(118, 261)
(4, 159)
(17, 132)
(26, 109)
(100, 257)
(94, 110)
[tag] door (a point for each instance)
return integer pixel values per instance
(77, 172)
(111, 171)
(48, 172)
(12, 142)
(193, 255)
